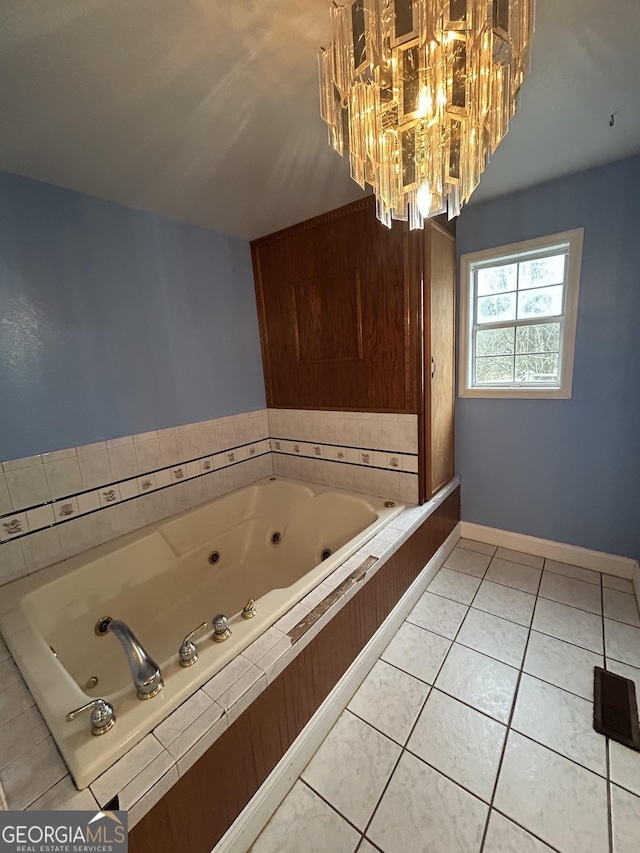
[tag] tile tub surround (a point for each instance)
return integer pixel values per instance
(58, 504)
(375, 453)
(489, 720)
(143, 775)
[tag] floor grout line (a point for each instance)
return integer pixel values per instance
(524, 828)
(509, 722)
(330, 804)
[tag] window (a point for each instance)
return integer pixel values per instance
(518, 318)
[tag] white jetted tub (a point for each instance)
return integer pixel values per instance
(271, 540)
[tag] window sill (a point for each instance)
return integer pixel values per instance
(517, 393)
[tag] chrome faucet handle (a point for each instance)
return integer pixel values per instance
(221, 630)
(188, 653)
(102, 716)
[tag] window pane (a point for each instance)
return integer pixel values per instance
(542, 272)
(496, 279)
(495, 341)
(536, 368)
(492, 309)
(545, 302)
(539, 338)
(494, 370)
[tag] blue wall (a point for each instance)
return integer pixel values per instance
(567, 470)
(114, 321)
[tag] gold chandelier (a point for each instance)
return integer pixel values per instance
(420, 93)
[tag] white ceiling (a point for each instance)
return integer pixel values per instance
(207, 111)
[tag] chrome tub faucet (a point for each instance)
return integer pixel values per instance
(145, 672)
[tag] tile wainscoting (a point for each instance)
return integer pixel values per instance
(56, 505)
(369, 452)
(59, 504)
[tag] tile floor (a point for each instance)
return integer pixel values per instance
(473, 731)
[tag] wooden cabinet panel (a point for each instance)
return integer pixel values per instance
(440, 260)
(334, 300)
(328, 319)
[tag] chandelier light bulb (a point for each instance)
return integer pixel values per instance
(420, 94)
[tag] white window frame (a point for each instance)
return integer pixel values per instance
(571, 241)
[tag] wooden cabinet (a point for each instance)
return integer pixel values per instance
(439, 357)
(354, 317)
(335, 314)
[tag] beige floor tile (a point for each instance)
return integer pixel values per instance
(416, 651)
(494, 636)
(561, 721)
(561, 802)
(575, 593)
(460, 742)
(352, 767)
(305, 822)
(438, 614)
(505, 602)
(562, 664)
(503, 836)
(454, 585)
(622, 642)
(569, 624)
(519, 557)
(524, 578)
(570, 571)
(474, 545)
(625, 820)
(390, 700)
(469, 562)
(621, 606)
(422, 810)
(480, 681)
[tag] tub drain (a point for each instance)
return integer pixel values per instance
(91, 683)
(214, 557)
(326, 554)
(276, 538)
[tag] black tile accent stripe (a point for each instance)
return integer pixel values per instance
(345, 462)
(346, 446)
(77, 515)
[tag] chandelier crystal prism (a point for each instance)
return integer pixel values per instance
(420, 93)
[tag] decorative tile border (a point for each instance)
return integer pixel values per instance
(366, 457)
(53, 513)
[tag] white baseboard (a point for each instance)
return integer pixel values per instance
(256, 814)
(597, 561)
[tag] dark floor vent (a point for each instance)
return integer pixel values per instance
(615, 711)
